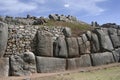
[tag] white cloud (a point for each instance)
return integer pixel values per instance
(46, 6)
(39, 1)
(90, 6)
(66, 5)
(15, 6)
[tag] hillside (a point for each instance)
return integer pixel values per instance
(53, 20)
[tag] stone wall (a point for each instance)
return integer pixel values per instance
(19, 38)
(22, 38)
(32, 49)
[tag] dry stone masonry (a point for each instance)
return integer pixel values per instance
(42, 49)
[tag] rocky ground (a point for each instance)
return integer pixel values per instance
(104, 72)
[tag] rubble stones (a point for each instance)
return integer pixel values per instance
(57, 17)
(53, 16)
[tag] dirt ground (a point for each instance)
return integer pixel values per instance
(104, 72)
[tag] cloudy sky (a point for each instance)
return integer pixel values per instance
(102, 11)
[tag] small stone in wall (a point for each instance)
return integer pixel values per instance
(67, 32)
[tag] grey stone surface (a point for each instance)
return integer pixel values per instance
(82, 61)
(105, 30)
(71, 64)
(67, 32)
(118, 32)
(53, 17)
(115, 40)
(102, 58)
(62, 18)
(44, 44)
(4, 67)
(3, 38)
(112, 31)
(73, 49)
(84, 38)
(50, 64)
(105, 42)
(88, 34)
(116, 54)
(72, 18)
(87, 47)
(22, 64)
(82, 46)
(60, 48)
(95, 46)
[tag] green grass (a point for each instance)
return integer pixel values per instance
(67, 24)
(104, 74)
(77, 28)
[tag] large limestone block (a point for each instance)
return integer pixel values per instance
(71, 64)
(95, 46)
(44, 44)
(102, 58)
(72, 45)
(81, 45)
(84, 38)
(116, 54)
(115, 40)
(104, 39)
(3, 38)
(84, 47)
(4, 67)
(49, 64)
(88, 34)
(60, 48)
(22, 64)
(112, 31)
(82, 61)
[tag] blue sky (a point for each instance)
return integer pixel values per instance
(102, 11)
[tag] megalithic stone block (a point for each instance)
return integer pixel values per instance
(44, 44)
(95, 46)
(3, 38)
(116, 54)
(104, 39)
(50, 64)
(84, 47)
(115, 40)
(4, 67)
(22, 64)
(82, 61)
(60, 48)
(72, 45)
(102, 58)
